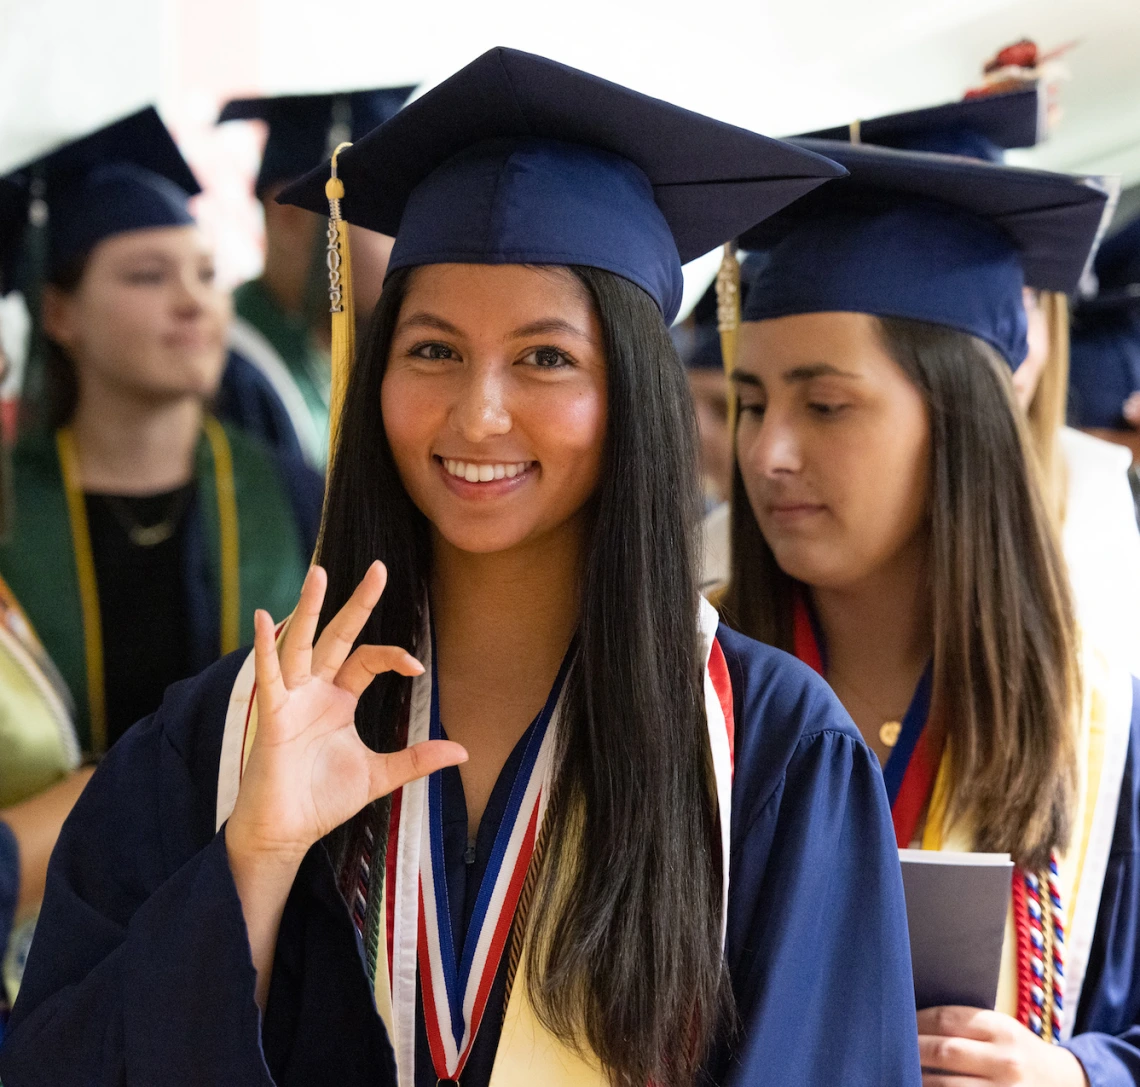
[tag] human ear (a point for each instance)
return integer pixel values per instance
(57, 315)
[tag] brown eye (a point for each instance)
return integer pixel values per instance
(435, 351)
(548, 358)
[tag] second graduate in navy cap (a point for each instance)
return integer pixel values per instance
(586, 835)
(1086, 480)
(890, 528)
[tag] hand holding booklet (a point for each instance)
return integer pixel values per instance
(956, 906)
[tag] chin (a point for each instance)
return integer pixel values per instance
(813, 566)
(489, 540)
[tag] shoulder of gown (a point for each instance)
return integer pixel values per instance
(817, 944)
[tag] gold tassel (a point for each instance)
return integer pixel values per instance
(728, 318)
(855, 132)
(339, 262)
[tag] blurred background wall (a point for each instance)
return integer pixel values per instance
(778, 66)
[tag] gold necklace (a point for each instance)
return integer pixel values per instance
(147, 536)
(889, 730)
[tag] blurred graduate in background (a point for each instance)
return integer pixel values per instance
(1104, 384)
(282, 316)
(144, 530)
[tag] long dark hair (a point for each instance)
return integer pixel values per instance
(625, 929)
(1006, 680)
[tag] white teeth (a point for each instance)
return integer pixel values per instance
(483, 473)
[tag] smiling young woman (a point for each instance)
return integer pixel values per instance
(890, 528)
(513, 807)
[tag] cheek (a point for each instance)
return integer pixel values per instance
(886, 489)
(570, 420)
(409, 415)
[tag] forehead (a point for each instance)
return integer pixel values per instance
(171, 242)
(809, 338)
(512, 293)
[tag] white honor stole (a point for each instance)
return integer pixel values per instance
(1102, 746)
(527, 1053)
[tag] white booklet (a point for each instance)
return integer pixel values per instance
(956, 906)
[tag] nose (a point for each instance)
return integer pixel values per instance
(481, 411)
(190, 294)
(771, 448)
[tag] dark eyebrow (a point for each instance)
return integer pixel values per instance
(549, 324)
(814, 370)
(428, 320)
(535, 328)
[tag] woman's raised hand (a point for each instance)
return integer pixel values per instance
(308, 770)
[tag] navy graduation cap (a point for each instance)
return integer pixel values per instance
(14, 201)
(928, 237)
(1117, 268)
(305, 128)
(1104, 367)
(982, 126)
(517, 159)
(126, 176)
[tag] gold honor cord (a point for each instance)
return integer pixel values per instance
(341, 307)
(85, 564)
(728, 321)
(229, 551)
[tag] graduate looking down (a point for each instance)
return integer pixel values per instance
(1086, 480)
(144, 530)
(890, 528)
(668, 853)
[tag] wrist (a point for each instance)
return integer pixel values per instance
(250, 860)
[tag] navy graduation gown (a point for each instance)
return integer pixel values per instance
(141, 971)
(246, 398)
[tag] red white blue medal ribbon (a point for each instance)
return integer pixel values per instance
(457, 982)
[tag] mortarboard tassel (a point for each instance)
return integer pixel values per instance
(341, 306)
(728, 317)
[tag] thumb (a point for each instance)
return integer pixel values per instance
(389, 771)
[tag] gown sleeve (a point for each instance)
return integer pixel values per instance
(1107, 1036)
(817, 943)
(140, 972)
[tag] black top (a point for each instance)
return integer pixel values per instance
(142, 600)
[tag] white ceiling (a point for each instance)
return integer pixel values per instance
(779, 67)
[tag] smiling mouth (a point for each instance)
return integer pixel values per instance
(484, 471)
